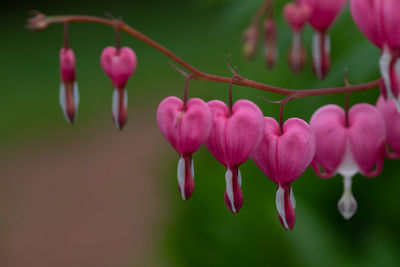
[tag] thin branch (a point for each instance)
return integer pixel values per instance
(40, 22)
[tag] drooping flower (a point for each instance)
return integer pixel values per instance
(119, 65)
(323, 13)
(69, 93)
(250, 41)
(392, 121)
(186, 128)
(296, 15)
(270, 43)
(379, 21)
(283, 155)
(232, 140)
(349, 146)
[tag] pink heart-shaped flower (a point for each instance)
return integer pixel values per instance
(283, 156)
(232, 140)
(348, 147)
(119, 65)
(186, 130)
(69, 93)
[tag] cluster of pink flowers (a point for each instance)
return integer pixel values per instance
(118, 63)
(335, 142)
(320, 15)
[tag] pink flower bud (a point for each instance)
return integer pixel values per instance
(69, 94)
(270, 45)
(186, 130)
(250, 42)
(119, 65)
(283, 157)
(232, 140)
(348, 147)
(391, 117)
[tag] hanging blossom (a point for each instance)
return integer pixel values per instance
(69, 93)
(283, 155)
(270, 50)
(296, 15)
(348, 144)
(234, 136)
(119, 64)
(186, 126)
(391, 117)
(379, 21)
(323, 13)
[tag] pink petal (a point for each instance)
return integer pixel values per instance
(323, 12)
(366, 135)
(234, 138)
(365, 15)
(328, 125)
(185, 131)
(284, 157)
(390, 22)
(118, 65)
(392, 121)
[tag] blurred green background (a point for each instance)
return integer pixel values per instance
(201, 232)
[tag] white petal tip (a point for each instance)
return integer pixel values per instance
(229, 189)
(280, 205)
(347, 205)
(181, 177)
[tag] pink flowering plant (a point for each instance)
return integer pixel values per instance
(334, 141)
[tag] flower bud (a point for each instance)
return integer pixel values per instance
(250, 42)
(270, 43)
(69, 94)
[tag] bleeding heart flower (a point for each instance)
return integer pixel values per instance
(392, 120)
(296, 15)
(323, 13)
(379, 21)
(232, 140)
(186, 128)
(283, 155)
(69, 94)
(270, 46)
(119, 65)
(250, 41)
(348, 147)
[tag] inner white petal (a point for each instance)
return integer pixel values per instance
(76, 99)
(115, 107)
(192, 167)
(348, 167)
(316, 53)
(240, 178)
(347, 204)
(181, 177)
(280, 205)
(292, 199)
(63, 100)
(296, 46)
(229, 189)
(384, 65)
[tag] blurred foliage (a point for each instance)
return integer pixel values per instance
(202, 232)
